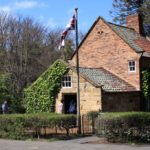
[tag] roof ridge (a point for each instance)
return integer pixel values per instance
(121, 26)
(88, 67)
(91, 67)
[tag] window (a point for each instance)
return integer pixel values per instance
(66, 81)
(132, 66)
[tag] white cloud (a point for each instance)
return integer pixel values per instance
(29, 4)
(5, 9)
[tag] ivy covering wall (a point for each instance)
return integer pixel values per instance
(40, 96)
(146, 88)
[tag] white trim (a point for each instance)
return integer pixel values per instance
(66, 81)
(131, 66)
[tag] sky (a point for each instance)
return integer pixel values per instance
(57, 13)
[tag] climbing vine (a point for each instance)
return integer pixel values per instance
(146, 83)
(146, 86)
(39, 97)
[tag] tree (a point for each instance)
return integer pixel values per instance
(22, 47)
(22, 41)
(6, 93)
(122, 8)
(27, 49)
(145, 9)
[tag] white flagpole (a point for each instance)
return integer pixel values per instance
(78, 82)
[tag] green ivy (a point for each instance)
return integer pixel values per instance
(146, 83)
(40, 96)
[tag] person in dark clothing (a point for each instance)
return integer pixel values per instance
(72, 107)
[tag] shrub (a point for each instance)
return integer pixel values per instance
(17, 126)
(93, 114)
(124, 127)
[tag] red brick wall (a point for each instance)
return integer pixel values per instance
(135, 21)
(104, 48)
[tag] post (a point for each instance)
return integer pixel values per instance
(78, 82)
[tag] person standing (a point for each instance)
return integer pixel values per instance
(72, 107)
(60, 107)
(5, 107)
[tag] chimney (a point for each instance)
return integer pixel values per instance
(135, 21)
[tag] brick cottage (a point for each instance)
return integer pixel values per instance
(111, 58)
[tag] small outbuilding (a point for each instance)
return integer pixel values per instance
(100, 90)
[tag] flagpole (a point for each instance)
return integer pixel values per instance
(77, 66)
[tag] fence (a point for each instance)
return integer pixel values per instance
(87, 128)
(88, 124)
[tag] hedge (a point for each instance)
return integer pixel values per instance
(124, 127)
(18, 126)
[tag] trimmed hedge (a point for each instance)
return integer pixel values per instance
(18, 126)
(124, 127)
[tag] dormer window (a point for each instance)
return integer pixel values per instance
(66, 81)
(131, 66)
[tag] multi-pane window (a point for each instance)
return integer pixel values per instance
(66, 81)
(131, 66)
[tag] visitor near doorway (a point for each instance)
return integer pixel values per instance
(72, 107)
(60, 107)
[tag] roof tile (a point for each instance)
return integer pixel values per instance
(108, 81)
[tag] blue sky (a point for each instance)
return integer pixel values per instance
(57, 13)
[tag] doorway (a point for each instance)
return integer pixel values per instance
(70, 103)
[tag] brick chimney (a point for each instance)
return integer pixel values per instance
(135, 21)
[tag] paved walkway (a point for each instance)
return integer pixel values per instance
(76, 144)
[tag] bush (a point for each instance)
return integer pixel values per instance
(124, 127)
(93, 114)
(17, 126)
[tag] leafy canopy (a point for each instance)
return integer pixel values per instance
(123, 8)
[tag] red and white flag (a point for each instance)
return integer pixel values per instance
(70, 26)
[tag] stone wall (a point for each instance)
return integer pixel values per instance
(90, 96)
(121, 102)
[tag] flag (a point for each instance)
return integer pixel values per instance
(70, 26)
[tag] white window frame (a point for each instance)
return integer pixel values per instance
(131, 66)
(66, 81)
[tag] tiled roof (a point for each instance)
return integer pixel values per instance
(108, 81)
(137, 42)
(144, 44)
(130, 36)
